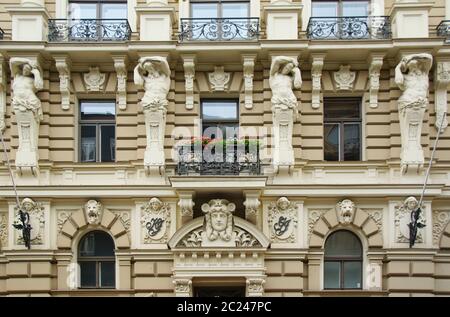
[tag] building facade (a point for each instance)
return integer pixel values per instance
(232, 148)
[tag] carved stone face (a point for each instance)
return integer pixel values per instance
(150, 68)
(27, 204)
(283, 203)
(155, 204)
(219, 220)
(93, 211)
(411, 203)
(26, 70)
(346, 210)
(287, 68)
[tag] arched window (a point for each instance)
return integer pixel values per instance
(97, 261)
(343, 261)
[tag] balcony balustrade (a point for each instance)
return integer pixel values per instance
(223, 29)
(349, 28)
(89, 30)
(443, 29)
(2, 34)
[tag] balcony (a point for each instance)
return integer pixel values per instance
(88, 30)
(219, 29)
(349, 28)
(2, 34)
(219, 159)
(443, 29)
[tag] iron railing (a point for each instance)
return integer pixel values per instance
(90, 30)
(2, 34)
(443, 29)
(219, 29)
(349, 28)
(232, 160)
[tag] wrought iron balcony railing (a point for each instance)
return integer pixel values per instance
(91, 30)
(223, 29)
(229, 160)
(2, 34)
(443, 29)
(349, 28)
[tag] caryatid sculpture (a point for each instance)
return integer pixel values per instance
(411, 76)
(26, 106)
(284, 76)
(153, 73)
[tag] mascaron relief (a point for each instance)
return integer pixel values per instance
(155, 221)
(344, 78)
(219, 79)
(345, 210)
(35, 211)
(94, 80)
(219, 229)
(283, 220)
(93, 211)
(403, 218)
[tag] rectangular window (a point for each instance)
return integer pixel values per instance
(92, 9)
(342, 129)
(97, 131)
(220, 9)
(220, 119)
(348, 8)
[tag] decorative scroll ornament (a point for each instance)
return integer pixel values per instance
(219, 79)
(189, 77)
(442, 80)
(242, 239)
(122, 74)
(93, 211)
(249, 66)
(411, 76)
(403, 220)
(63, 66)
(186, 205)
(283, 220)
(34, 212)
(440, 221)
(94, 80)
(344, 78)
(374, 80)
(3, 230)
(316, 76)
(255, 286)
(345, 211)
(62, 218)
(155, 221)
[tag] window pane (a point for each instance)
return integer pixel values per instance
(83, 11)
(96, 243)
(88, 147)
(221, 131)
(108, 133)
(355, 8)
(114, 11)
(235, 10)
(352, 274)
(219, 110)
(107, 274)
(204, 10)
(332, 275)
(331, 142)
(88, 274)
(343, 243)
(98, 110)
(324, 9)
(352, 142)
(344, 108)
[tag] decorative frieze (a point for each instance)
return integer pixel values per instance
(94, 80)
(36, 214)
(376, 63)
(440, 221)
(411, 76)
(441, 82)
(344, 78)
(189, 77)
(63, 65)
(219, 79)
(316, 78)
(121, 67)
(155, 221)
(248, 67)
(403, 219)
(283, 221)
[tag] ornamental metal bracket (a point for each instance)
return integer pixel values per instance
(316, 77)
(189, 77)
(376, 62)
(442, 80)
(63, 65)
(120, 64)
(249, 66)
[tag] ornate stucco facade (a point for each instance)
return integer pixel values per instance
(264, 231)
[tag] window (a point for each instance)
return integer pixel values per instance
(98, 131)
(220, 9)
(97, 261)
(92, 9)
(343, 261)
(220, 119)
(342, 129)
(348, 8)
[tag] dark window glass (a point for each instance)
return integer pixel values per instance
(342, 129)
(96, 259)
(220, 119)
(343, 261)
(98, 131)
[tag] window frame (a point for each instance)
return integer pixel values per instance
(98, 3)
(223, 121)
(219, 7)
(340, 7)
(98, 260)
(341, 122)
(342, 260)
(98, 123)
